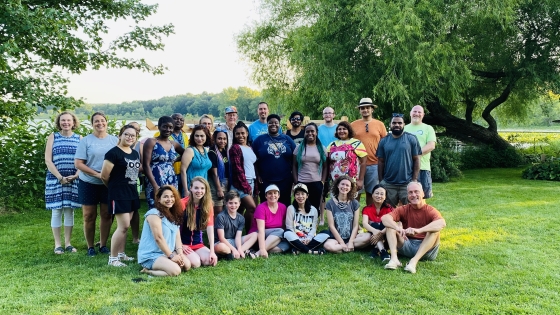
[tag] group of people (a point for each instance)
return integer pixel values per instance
(213, 182)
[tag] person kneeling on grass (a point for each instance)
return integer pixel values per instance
(416, 234)
(343, 218)
(160, 251)
(268, 223)
(198, 215)
(301, 224)
(371, 221)
(229, 226)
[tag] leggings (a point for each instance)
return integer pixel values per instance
(56, 219)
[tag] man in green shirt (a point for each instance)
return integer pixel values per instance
(427, 138)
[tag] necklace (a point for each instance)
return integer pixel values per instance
(341, 204)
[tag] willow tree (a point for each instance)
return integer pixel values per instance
(42, 41)
(463, 60)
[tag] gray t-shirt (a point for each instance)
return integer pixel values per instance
(398, 153)
(92, 150)
(310, 158)
(228, 224)
(343, 215)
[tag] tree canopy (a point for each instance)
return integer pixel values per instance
(464, 61)
(42, 41)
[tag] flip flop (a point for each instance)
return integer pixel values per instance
(251, 254)
(59, 250)
(71, 249)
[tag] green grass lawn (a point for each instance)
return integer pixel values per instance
(499, 254)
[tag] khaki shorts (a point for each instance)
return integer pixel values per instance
(214, 193)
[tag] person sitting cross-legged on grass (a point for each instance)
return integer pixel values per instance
(160, 251)
(343, 218)
(301, 224)
(416, 234)
(371, 221)
(229, 227)
(268, 223)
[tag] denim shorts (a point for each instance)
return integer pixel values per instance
(241, 193)
(231, 241)
(149, 264)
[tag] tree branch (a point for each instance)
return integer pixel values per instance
(489, 75)
(492, 125)
(470, 108)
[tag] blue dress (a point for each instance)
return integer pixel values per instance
(58, 196)
(161, 165)
(200, 165)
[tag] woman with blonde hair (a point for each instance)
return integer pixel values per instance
(61, 188)
(198, 215)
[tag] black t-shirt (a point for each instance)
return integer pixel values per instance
(214, 159)
(297, 138)
(124, 175)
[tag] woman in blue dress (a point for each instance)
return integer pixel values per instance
(158, 156)
(61, 189)
(195, 162)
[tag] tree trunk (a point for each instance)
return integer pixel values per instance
(461, 129)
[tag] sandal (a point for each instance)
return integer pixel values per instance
(250, 253)
(319, 251)
(124, 257)
(295, 251)
(59, 250)
(115, 262)
(71, 249)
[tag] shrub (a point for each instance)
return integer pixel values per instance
(23, 169)
(543, 171)
(485, 156)
(445, 161)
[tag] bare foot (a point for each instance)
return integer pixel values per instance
(144, 270)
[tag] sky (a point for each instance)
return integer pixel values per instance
(200, 56)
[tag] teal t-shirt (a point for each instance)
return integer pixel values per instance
(424, 133)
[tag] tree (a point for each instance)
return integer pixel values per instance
(465, 61)
(41, 41)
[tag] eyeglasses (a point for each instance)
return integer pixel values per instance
(367, 127)
(129, 135)
(328, 113)
(295, 119)
(398, 115)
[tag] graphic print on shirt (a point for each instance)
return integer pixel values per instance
(345, 161)
(303, 225)
(132, 168)
(344, 223)
(276, 149)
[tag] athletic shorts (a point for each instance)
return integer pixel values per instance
(92, 194)
(410, 248)
(123, 206)
(231, 241)
(370, 179)
(425, 179)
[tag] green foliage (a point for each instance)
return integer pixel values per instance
(42, 41)
(461, 59)
(445, 161)
(23, 169)
(543, 171)
(485, 156)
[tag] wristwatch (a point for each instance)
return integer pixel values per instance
(171, 256)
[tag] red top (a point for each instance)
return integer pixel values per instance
(372, 213)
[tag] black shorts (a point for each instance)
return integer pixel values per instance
(92, 194)
(123, 206)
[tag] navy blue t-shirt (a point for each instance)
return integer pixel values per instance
(274, 156)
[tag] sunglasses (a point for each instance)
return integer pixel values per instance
(295, 119)
(367, 127)
(398, 115)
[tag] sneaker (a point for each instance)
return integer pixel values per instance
(91, 252)
(374, 253)
(384, 256)
(104, 250)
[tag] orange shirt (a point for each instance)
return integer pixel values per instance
(415, 218)
(370, 138)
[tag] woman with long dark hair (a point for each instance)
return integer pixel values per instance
(160, 251)
(347, 156)
(242, 166)
(195, 161)
(310, 164)
(301, 224)
(218, 175)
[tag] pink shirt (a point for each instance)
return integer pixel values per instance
(271, 220)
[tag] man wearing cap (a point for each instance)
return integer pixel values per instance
(369, 131)
(231, 121)
(416, 234)
(260, 127)
(427, 138)
(399, 161)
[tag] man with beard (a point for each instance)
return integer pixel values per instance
(328, 129)
(296, 133)
(260, 127)
(416, 234)
(369, 131)
(398, 161)
(427, 138)
(180, 137)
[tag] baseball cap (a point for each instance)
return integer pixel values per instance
(301, 186)
(231, 109)
(271, 187)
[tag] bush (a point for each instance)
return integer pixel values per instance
(543, 171)
(23, 169)
(445, 161)
(485, 156)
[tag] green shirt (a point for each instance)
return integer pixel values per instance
(424, 133)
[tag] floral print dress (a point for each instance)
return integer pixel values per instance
(161, 165)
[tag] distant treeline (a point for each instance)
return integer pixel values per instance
(244, 98)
